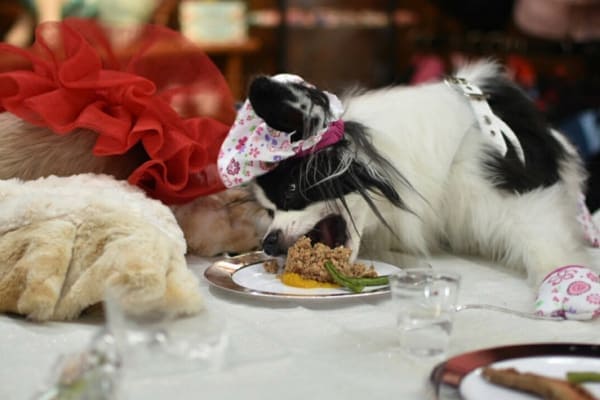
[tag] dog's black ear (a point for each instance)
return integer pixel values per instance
(271, 100)
(366, 179)
(372, 171)
(290, 106)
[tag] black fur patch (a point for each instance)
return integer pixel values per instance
(272, 101)
(543, 152)
(592, 195)
(298, 182)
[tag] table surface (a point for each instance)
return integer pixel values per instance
(293, 350)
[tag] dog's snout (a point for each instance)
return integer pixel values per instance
(272, 243)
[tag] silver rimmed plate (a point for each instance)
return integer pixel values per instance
(474, 386)
(460, 376)
(245, 274)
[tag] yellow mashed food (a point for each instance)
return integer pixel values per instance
(294, 279)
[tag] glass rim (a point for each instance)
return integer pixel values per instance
(425, 273)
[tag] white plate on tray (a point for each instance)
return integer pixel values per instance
(460, 376)
(245, 274)
(475, 387)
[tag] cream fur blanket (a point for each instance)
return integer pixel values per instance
(65, 241)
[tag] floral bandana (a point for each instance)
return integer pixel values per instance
(252, 148)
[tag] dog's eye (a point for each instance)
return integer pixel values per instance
(289, 196)
(270, 212)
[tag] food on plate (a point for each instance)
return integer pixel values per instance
(305, 267)
(544, 387)
(354, 284)
(308, 261)
(583, 376)
(293, 279)
(271, 266)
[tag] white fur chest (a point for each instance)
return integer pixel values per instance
(429, 134)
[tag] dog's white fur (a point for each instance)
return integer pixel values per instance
(429, 133)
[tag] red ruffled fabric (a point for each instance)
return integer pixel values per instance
(73, 78)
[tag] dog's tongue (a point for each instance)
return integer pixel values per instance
(327, 236)
(330, 231)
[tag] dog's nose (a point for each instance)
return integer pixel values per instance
(271, 243)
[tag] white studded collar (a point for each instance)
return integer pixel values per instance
(494, 128)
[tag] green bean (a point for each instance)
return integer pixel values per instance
(375, 281)
(582, 377)
(341, 279)
(354, 284)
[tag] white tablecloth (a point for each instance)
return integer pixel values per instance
(290, 350)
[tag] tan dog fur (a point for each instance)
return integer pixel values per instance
(226, 222)
(65, 241)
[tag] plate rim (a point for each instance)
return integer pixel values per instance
(447, 375)
(220, 275)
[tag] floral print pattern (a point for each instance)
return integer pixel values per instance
(571, 292)
(577, 288)
(560, 275)
(594, 298)
(252, 148)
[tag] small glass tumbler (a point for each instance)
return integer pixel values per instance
(425, 302)
(159, 343)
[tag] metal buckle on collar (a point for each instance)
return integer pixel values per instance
(461, 84)
(492, 127)
(455, 80)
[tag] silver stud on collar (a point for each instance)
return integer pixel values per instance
(489, 123)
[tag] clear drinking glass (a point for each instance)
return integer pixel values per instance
(154, 343)
(425, 302)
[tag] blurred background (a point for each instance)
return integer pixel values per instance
(551, 47)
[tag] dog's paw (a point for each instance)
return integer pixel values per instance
(136, 262)
(226, 222)
(571, 292)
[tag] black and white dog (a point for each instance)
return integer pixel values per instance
(415, 172)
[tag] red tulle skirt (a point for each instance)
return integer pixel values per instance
(159, 91)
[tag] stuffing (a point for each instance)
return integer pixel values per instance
(307, 260)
